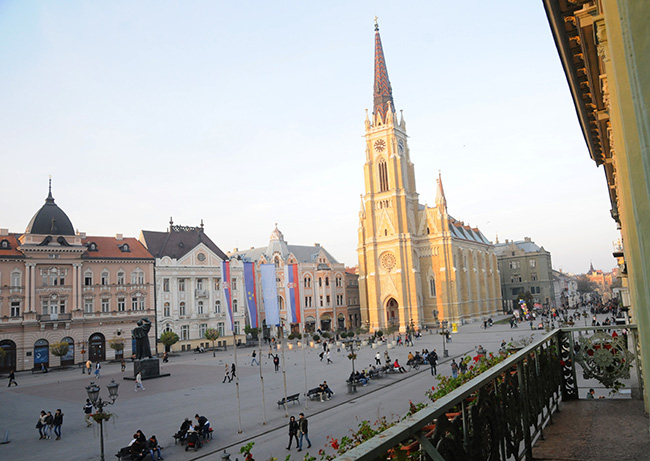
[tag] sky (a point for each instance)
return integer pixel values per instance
(247, 114)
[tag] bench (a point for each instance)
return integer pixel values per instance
(290, 398)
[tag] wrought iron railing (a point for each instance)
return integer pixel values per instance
(501, 413)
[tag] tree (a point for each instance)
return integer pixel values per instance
(117, 344)
(528, 299)
(585, 285)
(251, 331)
(168, 338)
(60, 349)
(211, 334)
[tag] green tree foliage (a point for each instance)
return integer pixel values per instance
(117, 344)
(585, 285)
(211, 334)
(59, 349)
(168, 338)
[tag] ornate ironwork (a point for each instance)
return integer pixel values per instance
(605, 358)
(569, 385)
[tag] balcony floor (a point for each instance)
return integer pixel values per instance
(596, 429)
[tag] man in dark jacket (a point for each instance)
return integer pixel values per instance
(303, 428)
(204, 425)
(58, 422)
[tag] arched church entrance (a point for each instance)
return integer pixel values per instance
(8, 359)
(392, 313)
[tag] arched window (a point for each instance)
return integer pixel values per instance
(105, 279)
(168, 327)
(166, 310)
(307, 282)
(432, 287)
(199, 307)
(327, 281)
(234, 305)
(383, 176)
(181, 308)
(320, 282)
(217, 307)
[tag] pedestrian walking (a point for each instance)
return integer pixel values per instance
(293, 432)
(12, 378)
(123, 365)
(276, 363)
(454, 369)
(58, 422)
(97, 368)
(386, 357)
(165, 357)
(41, 425)
(303, 428)
(377, 358)
(138, 382)
(49, 421)
(329, 360)
(88, 413)
(433, 361)
(89, 365)
(254, 358)
(226, 374)
(232, 372)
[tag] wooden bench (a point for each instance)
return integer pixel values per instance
(290, 398)
(315, 393)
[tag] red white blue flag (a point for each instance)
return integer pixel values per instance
(251, 297)
(270, 294)
(291, 276)
(225, 272)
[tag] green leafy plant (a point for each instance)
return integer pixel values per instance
(117, 344)
(316, 338)
(60, 349)
(211, 334)
(168, 339)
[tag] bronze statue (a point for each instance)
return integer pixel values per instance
(140, 333)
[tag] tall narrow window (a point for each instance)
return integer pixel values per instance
(432, 287)
(383, 176)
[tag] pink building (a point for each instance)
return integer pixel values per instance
(59, 285)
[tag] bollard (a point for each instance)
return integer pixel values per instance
(225, 456)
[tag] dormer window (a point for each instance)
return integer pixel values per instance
(125, 248)
(4, 244)
(92, 246)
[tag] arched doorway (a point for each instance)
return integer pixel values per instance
(341, 322)
(392, 313)
(97, 348)
(326, 322)
(68, 359)
(8, 362)
(41, 354)
(310, 324)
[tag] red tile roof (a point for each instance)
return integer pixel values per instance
(110, 247)
(12, 251)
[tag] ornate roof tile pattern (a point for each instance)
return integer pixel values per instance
(383, 93)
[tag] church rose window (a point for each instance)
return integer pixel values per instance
(387, 261)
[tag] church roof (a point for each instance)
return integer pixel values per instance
(459, 230)
(179, 241)
(50, 219)
(383, 93)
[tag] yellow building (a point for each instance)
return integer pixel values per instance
(603, 46)
(417, 264)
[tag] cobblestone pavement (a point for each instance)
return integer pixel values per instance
(195, 386)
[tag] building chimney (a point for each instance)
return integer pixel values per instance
(316, 244)
(118, 236)
(4, 231)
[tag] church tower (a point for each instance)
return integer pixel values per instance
(388, 283)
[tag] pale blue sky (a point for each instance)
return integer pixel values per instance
(244, 114)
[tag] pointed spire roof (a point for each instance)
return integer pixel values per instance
(383, 93)
(441, 200)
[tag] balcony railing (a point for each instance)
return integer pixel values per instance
(501, 413)
(54, 317)
(201, 293)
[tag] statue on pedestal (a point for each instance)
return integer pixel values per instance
(140, 333)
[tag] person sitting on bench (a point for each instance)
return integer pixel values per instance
(398, 367)
(327, 389)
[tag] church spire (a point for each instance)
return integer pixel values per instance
(382, 94)
(441, 201)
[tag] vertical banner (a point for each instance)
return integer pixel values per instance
(251, 299)
(291, 276)
(270, 294)
(225, 272)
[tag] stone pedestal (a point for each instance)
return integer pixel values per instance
(150, 368)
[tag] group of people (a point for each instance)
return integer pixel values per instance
(48, 423)
(230, 372)
(140, 447)
(97, 367)
(298, 430)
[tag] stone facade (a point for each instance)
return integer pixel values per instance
(526, 267)
(417, 264)
(59, 285)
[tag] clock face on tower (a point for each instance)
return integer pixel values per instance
(380, 145)
(400, 146)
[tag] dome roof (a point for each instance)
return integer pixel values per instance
(276, 234)
(50, 220)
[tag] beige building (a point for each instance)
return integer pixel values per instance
(352, 296)
(59, 285)
(322, 291)
(525, 267)
(417, 264)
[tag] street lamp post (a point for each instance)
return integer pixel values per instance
(82, 345)
(445, 353)
(350, 347)
(99, 404)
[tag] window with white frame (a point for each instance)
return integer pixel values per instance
(121, 304)
(339, 300)
(233, 284)
(339, 282)
(134, 303)
(15, 309)
(308, 301)
(217, 284)
(88, 278)
(166, 285)
(181, 284)
(199, 309)
(166, 310)
(533, 262)
(236, 326)
(533, 277)
(221, 328)
(185, 332)
(515, 264)
(199, 284)
(307, 282)
(105, 305)
(217, 307)
(120, 278)
(16, 278)
(104, 278)
(234, 305)
(137, 277)
(432, 287)
(181, 308)
(88, 305)
(45, 306)
(321, 301)
(202, 329)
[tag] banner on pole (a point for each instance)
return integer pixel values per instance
(225, 272)
(251, 297)
(270, 294)
(293, 284)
